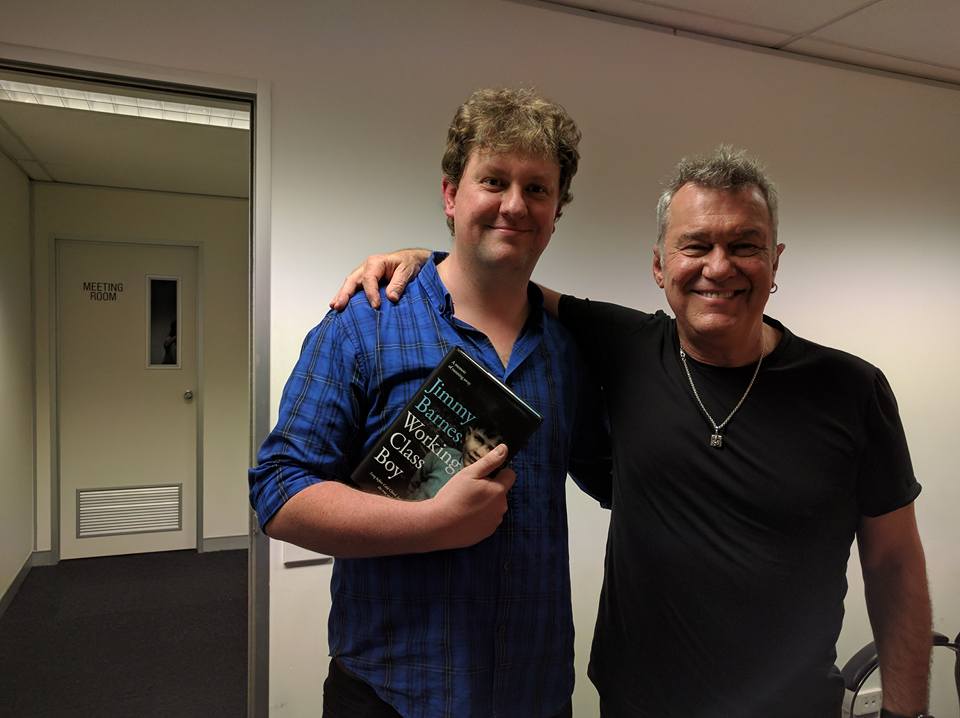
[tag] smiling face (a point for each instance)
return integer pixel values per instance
(504, 209)
(717, 266)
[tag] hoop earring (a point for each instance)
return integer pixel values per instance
(774, 288)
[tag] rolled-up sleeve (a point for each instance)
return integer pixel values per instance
(317, 433)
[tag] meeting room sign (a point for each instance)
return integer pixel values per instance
(103, 291)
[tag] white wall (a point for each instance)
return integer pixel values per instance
(16, 374)
(220, 228)
(361, 95)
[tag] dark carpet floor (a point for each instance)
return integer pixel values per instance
(161, 634)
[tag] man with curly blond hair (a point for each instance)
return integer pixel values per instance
(457, 605)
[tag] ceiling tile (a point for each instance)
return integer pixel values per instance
(915, 38)
(842, 53)
(713, 25)
(782, 19)
(792, 17)
(927, 31)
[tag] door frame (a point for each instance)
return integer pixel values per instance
(56, 507)
(257, 92)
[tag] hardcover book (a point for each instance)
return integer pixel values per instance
(461, 412)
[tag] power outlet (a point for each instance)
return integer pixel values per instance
(868, 703)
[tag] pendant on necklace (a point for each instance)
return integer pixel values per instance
(716, 441)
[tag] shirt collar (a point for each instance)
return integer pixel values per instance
(433, 286)
(440, 298)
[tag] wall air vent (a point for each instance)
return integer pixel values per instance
(111, 512)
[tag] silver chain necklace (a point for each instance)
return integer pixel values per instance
(716, 438)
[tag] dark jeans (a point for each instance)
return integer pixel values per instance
(345, 696)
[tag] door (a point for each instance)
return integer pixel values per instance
(127, 416)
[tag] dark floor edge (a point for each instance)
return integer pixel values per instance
(11, 591)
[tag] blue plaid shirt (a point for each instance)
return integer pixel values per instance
(482, 631)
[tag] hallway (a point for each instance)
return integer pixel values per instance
(161, 634)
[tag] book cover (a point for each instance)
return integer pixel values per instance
(458, 414)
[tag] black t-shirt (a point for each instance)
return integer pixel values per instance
(726, 568)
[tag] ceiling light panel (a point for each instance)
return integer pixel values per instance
(123, 105)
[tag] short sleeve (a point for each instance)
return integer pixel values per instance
(886, 481)
(317, 435)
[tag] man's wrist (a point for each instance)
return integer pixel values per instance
(431, 528)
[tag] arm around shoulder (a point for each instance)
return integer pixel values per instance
(397, 268)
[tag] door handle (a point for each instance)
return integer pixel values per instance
(188, 395)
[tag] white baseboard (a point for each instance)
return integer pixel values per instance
(225, 543)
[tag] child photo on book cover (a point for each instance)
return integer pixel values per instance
(440, 466)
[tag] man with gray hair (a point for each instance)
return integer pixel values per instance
(746, 461)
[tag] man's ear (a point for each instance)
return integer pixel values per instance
(776, 259)
(657, 266)
(557, 216)
(449, 196)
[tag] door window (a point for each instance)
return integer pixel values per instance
(163, 311)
